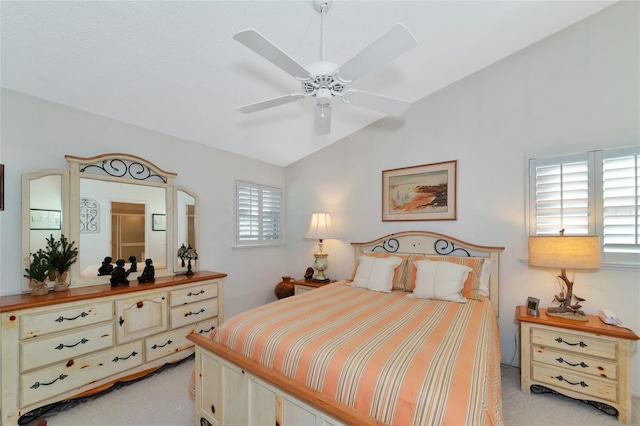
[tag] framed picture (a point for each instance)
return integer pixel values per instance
(1, 186)
(45, 219)
(426, 192)
(159, 222)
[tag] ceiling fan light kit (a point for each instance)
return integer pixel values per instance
(325, 80)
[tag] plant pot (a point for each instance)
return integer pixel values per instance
(61, 283)
(38, 288)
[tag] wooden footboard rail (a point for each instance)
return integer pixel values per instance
(285, 389)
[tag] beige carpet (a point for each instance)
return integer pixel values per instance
(162, 400)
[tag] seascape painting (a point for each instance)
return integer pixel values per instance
(424, 192)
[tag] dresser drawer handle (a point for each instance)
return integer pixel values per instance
(213, 327)
(196, 294)
(581, 363)
(581, 383)
(581, 343)
(62, 346)
(61, 318)
(36, 385)
(161, 346)
(194, 313)
(116, 359)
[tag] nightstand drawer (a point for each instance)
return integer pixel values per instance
(576, 362)
(587, 385)
(574, 342)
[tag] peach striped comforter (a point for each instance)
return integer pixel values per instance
(401, 360)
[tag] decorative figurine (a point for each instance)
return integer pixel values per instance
(134, 264)
(119, 274)
(106, 267)
(149, 273)
(308, 274)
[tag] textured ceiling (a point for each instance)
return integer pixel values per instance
(173, 66)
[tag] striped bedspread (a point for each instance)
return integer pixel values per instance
(401, 360)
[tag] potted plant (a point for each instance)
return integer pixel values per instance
(60, 255)
(37, 272)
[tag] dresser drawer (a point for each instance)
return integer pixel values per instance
(193, 312)
(48, 382)
(574, 342)
(584, 384)
(576, 362)
(194, 294)
(64, 346)
(167, 343)
(51, 321)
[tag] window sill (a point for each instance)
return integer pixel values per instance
(256, 246)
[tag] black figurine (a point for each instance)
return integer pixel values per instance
(149, 273)
(106, 267)
(119, 274)
(134, 264)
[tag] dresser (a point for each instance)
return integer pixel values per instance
(585, 360)
(77, 342)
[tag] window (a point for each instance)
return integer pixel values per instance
(596, 193)
(259, 215)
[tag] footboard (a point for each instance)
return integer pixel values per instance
(232, 389)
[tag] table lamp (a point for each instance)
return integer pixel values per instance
(320, 229)
(565, 252)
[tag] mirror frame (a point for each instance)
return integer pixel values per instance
(86, 167)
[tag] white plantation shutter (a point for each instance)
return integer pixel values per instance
(596, 193)
(621, 202)
(259, 214)
(561, 195)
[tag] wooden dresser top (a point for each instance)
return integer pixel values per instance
(26, 300)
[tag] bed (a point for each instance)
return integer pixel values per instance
(410, 338)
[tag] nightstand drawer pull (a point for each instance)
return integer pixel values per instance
(581, 383)
(62, 346)
(195, 294)
(36, 385)
(581, 343)
(581, 364)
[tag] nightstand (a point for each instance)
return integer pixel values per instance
(302, 286)
(589, 361)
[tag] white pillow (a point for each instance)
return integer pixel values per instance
(485, 274)
(376, 273)
(440, 280)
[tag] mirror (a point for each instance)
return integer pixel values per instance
(111, 203)
(186, 223)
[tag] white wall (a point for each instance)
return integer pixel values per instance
(576, 91)
(36, 135)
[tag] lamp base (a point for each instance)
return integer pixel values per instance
(320, 280)
(567, 313)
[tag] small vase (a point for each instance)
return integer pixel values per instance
(38, 288)
(284, 288)
(61, 283)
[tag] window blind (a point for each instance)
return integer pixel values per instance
(621, 203)
(258, 214)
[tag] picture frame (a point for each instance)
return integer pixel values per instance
(1, 186)
(424, 192)
(158, 222)
(42, 219)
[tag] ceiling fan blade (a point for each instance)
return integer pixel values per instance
(387, 47)
(269, 103)
(263, 47)
(376, 102)
(322, 121)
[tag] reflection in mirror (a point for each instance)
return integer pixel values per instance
(186, 222)
(45, 195)
(123, 225)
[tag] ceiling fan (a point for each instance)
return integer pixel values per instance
(325, 80)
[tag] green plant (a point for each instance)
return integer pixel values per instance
(39, 267)
(60, 254)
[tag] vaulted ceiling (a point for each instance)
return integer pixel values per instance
(174, 67)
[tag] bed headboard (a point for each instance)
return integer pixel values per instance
(425, 242)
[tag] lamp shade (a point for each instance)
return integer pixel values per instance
(565, 252)
(320, 227)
